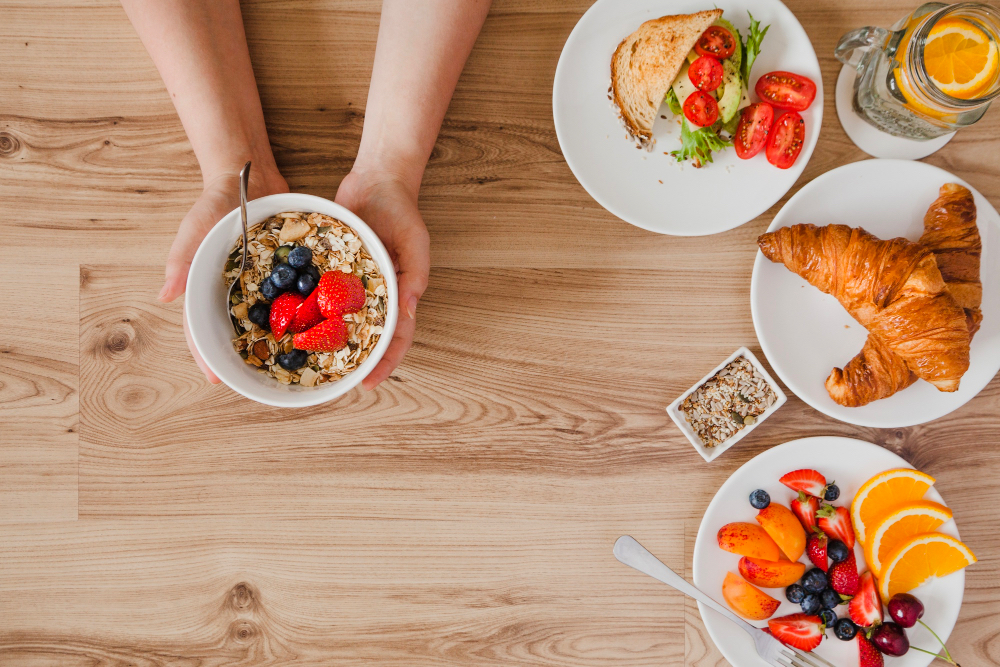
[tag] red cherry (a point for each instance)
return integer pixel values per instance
(905, 609)
(891, 639)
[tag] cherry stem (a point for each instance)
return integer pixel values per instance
(936, 655)
(947, 654)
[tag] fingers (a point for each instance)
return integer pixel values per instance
(212, 377)
(401, 341)
(206, 211)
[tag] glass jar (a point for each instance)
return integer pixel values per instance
(896, 90)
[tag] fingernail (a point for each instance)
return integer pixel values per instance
(163, 293)
(411, 307)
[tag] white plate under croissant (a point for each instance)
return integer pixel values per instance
(806, 333)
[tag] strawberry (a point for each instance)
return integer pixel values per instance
(808, 481)
(805, 507)
(802, 631)
(868, 655)
(327, 336)
(340, 293)
(283, 312)
(843, 576)
(307, 316)
(836, 522)
(865, 609)
(816, 549)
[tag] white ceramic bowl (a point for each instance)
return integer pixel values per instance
(206, 307)
(712, 453)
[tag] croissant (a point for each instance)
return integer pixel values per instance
(951, 234)
(893, 288)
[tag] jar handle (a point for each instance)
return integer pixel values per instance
(853, 45)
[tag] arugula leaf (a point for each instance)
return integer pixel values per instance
(697, 144)
(675, 106)
(751, 47)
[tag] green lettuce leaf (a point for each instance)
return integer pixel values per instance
(697, 144)
(751, 47)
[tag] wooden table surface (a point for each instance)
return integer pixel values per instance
(464, 512)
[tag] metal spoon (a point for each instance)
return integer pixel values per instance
(244, 180)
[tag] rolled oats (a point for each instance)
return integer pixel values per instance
(730, 400)
(335, 247)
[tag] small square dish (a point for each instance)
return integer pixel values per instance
(727, 404)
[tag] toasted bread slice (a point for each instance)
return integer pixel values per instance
(647, 62)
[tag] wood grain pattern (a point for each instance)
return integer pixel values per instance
(463, 513)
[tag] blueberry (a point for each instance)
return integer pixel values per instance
(270, 290)
(284, 276)
(829, 598)
(294, 360)
(815, 580)
(281, 254)
(832, 492)
(829, 618)
(837, 551)
(795, 594)
(845, 629)
(300, 257)
(260, 314)
(305, 284)
(811, 604)
(760, 499)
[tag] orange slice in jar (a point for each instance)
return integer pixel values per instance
(960, 58)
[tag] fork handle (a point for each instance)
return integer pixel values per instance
(633, 554)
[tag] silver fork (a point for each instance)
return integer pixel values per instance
(633, 554)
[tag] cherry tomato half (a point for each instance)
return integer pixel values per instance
(753, 130)
(786, 90)
(785, 141)
(706, 73)
(716, 42)
(701, 108)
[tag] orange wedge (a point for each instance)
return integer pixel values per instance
(883, 493)
(960, 58)
(919, 558)
(900, 525)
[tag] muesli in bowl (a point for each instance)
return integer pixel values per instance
(311, 300)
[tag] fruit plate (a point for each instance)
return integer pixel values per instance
(805, 333)
(850, 463)
(650, 189)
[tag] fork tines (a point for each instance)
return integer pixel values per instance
(792, 657)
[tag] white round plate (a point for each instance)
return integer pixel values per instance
(805, 333)
(869, 138)
(850, 463)
(649, 189)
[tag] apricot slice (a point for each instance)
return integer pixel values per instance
(748, 539)
(746, 600)
(771, 573)
(784, 528)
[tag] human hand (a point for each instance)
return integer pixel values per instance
(220, 196)
(389, 206)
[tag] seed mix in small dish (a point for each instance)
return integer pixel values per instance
(729, 401)
(329, 246)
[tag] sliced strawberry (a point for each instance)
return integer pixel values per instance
(340, 293)
(843, 576)
(308, 314)
(865, 609)
(283, 312)
(868, 655)
(327, 336)
(836, 523)
(816, 549)
(802, 631)
(805, 507)
(805, 480)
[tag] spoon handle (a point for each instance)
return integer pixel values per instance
(244, 183)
